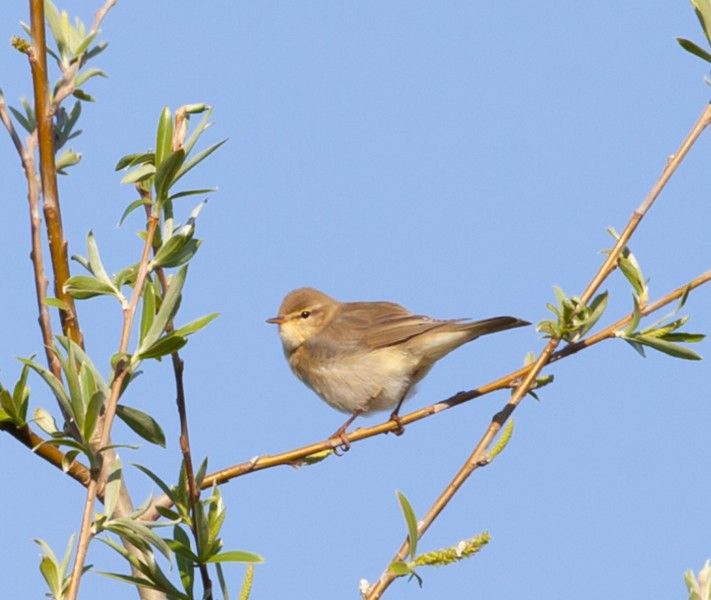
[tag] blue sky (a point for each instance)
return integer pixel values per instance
(460, 158)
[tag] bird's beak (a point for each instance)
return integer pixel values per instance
(276, 320)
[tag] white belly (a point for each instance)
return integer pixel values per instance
(363, 383)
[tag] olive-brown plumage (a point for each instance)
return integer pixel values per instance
(361, 357)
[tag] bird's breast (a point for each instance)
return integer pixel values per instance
(365, 381)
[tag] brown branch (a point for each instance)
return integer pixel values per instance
(69, 73)
(99, 475)
(180, 131)
(193, 490)
(298, 456)
(48, 172)
(7, 122)
(478, 455)
(51, 454)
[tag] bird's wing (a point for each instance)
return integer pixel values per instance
(376, 325)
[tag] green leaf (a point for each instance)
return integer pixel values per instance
(88, 74)
(166, 311)
(55, 385)
(203, 125)
(85, 43)
(131, 160)
(400, 568)
(634, 323)
(138, 534)
(184, 558)
(192, 193)
(669, 348)
(164, 136)
(689, 338)
(694, 48)
(68, 459)
(56, 303)
(139, 174)
(126, 276)
(148, 309)
(166, 173)
(411, 522)
(21, 396)
(94, 259)
(197, 159)
(27, 123)
(703, 13)
(82, 95)
(68, 158)
(45, 421)
(142, 424)
(236, 556)
(133, 206)
(113, 488)
(93, 412)
(82, 287)
(169, 514)
(143, 582)
(165, 488)
(86, 362)
(162, 347)
(196, 325)
(200, 473)
(51, 575)
(176, 251)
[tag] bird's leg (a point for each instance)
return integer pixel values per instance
(394, 416)
(341, 432)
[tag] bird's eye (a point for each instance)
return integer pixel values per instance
(305, 314)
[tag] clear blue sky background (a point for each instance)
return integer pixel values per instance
(460, 158)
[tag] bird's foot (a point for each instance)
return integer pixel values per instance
(399, 428)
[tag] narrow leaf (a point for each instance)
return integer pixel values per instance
(164, 135)
(411, 522)
(236, 556)
(113, 487)
(141, 423)
(166, 173)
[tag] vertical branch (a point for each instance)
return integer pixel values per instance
(48, 172)
(97, 474)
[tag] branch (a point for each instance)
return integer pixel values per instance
(69, 74)
(99, 475)
(478, 455)
(299, 456)
(51, 454)
(48, 172)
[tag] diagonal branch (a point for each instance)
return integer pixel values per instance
(301, 455)
(478, 455)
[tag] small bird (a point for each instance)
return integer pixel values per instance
(362, 357)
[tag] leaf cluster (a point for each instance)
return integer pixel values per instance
(203, 519)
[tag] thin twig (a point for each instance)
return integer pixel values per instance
(297, 456)
(69, 73)
(180, 131)
(98, 475)
(193, 490)
(479, 452)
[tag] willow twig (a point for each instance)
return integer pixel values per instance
(477, 457)
(48, 172)
(99, 475)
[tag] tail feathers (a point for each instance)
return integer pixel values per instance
(487, 326)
